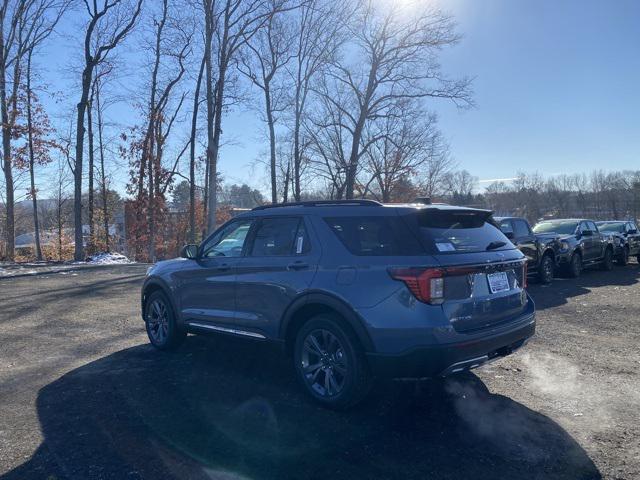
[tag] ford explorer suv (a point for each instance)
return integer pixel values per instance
(351, 290)
(581, 244)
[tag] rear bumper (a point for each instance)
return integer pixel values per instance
(447, 359)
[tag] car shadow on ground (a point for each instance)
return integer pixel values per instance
(221, 408)
(561, 289)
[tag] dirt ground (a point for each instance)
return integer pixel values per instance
(83, 396)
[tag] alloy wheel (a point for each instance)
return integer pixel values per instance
(158, 319)
(324, 363)
(547, 269)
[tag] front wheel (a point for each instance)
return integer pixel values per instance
(545, 270)
(162, 330)
(330, 364)
(624, 257)
(575, 265)
(607, 261)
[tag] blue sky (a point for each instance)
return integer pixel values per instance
(556, 86)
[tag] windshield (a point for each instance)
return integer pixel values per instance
(562, 227)
(616, 227)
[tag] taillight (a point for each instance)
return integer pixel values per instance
(426, 284)
(524, 275)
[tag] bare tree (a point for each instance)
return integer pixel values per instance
(408, 145)
(169, 49)
(24, 25)
(394, 58)
(192, 154)
(110, 21)
(37, 146)
(233, 23)
(319, 35)
(271, 51)
(99, 107)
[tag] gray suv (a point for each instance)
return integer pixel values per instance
(351, 290)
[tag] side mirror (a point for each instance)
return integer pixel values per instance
(189, 251)
(509, 235)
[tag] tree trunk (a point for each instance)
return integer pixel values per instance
(213, 151)
(7, 166)
(296, 147)
(211, 119)
(272, 144)
(34, 198)
(77, 172)
(59, 214)
(285, 194)
(103, 175)
(354, 156)
(192, 156)
(91, 242)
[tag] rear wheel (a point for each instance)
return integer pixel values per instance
(545, 270)
(624, 257)
(330, 364)
(160, 320)
(607, 261)
(575, 265)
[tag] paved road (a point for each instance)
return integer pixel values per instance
(83, 396)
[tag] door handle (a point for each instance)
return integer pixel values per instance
(222, 268)
(297, 266)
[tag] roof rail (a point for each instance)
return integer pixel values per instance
(323, 203)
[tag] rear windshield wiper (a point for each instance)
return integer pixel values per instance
(496, 244)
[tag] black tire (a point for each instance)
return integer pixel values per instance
(545, 269)
(623, 260)
(160, 321)
(607, 261)
(574, 268)
(342, 377)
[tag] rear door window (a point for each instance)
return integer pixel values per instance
(375, 236)
(451, 231)
(280, 237)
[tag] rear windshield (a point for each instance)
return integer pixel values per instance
(375, 236)
(451, 231)
(561, 227)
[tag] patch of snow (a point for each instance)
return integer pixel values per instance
(4, 272)
(108, 258)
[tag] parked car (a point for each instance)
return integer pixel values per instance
(541, 252)
(626, 239)
(581, 244)
(351, 290)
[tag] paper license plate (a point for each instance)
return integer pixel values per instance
(498, 282)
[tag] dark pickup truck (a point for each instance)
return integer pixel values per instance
(541, 253)
(626, 238)
(580, 242)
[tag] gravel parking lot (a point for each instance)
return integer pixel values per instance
(82, 396)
